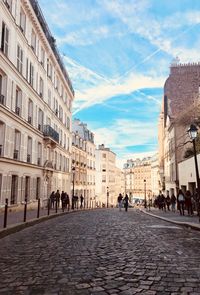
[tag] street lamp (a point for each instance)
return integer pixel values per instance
(107, 196)
(73, 179)
(193, 135)
(145, 197)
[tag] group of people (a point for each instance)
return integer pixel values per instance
(123, 201)
(57, 197)
(184, 201)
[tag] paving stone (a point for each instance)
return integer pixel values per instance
(86, 253)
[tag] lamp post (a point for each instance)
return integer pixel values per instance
(145, 197)
(73, 179)
(193, 135)
(107, 196)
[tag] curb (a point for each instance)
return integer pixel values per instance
(186, 224)
(20, 226)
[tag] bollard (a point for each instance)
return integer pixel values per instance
(5, 214)
(56, 206)
(48, 207)
(38, 209)
(25, 209)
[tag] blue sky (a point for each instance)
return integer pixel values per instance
(117, 54)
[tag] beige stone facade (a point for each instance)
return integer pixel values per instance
(35, 107)
(106, 177)
(83, 160)
(138, 178)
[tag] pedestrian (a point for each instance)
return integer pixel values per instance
(163, 202)
(119, 200)
(181, 202)
(168, 201)
(188, 202)
(57, 197)
(173, 202)
(67, 201)
(52, 199)
(81, 199)
(63, 200)
(126, 199)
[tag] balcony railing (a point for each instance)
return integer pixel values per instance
(39, 161)
(50, 132)
(1, 150)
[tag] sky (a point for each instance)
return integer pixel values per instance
(117, 54)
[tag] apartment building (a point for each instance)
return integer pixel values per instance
(106, 193)
(180, 108)
(138, 178)
(83, 162)
(35, 107)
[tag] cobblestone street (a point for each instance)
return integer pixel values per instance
(101, 252)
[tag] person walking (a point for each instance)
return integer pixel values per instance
(188, 202)
(52, 200)
(57, 197)
(119, 200)
(173, 202)
(126, 199)
(67, 202)
(63, 200)
(168, 201)
(181, 202)
(81, 199)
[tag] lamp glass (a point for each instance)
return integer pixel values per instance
(192, 131)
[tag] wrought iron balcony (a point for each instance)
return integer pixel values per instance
(49, 132)
(1, 150)
(16, 154)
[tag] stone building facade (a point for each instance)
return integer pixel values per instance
(35, 107)
(180, 109)
(83, 160)
(106, 189)
(138, 178)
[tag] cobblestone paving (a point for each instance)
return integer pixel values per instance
(101, 252)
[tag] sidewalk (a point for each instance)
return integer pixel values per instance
(174, 217)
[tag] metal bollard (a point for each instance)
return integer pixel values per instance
(25, 209)
(5, 214)
(56, 206)
(48, 207)
(38, 209)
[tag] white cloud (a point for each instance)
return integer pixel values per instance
(105, 91)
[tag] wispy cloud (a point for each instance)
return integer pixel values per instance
(105, 91)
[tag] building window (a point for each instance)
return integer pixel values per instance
(41, 88)
(104, 156)
(33, 41)
(2, 136)
(14, 189)
(49, 97)
(18, 101)
(49, 69)
(31, 74)
(22, 23)
(40, 120)
(19, 59)
(4, 39)
(42, 56)
(38, 182)
(27, 188)
(17, 143)
(3, 88)
(30, 111)
(29, 149)
(39, 158)
(68, 123)
(60, 113)
(8, 4)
